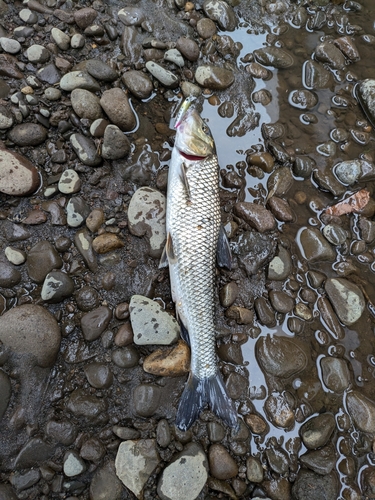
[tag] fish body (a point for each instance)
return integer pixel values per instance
(193, 233)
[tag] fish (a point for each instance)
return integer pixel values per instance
(195, 240)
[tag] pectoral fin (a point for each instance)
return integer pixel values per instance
(168, 256)
(223, 253)
(185, 180)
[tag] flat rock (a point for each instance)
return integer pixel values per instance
(165, 77)
(116, 145)
(85, 149)
(214, 77)
(86, 406)
(57, 286)
(254, 250)
(222, 13)
(41, 259)
(31, 329)
(116, 105)
(105, 484)
(315, 247)
(86, 104)
(280, 356)
(150, 323)
(28, 134)
(9, 67)
(274, 56)
(335, 373)
(33, 453)
(139, 84)
(310, 485)
(255, 215)
(362, 411)
(107, 242)
(174, 362)
(185, 476)
(147, 216)
(95, 322)
(135, 462)
(18, 176)
(79, 80)
(316, 431)
(347, 299)
(222, 465)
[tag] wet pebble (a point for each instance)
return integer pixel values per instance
(317, 76)
(215, 431)
(335, 374)
(95, 219)
(308, 484)
(116, 105)
(254, 249)
(126, 357)
(274, 56)
(116, 145)
(150, 323)
(99, 70)
(350, 171)
(31, 329)
(262, 160)
(255, 215)
(61, 431)
(174, 56)
(139, 84)
(85, 149)
(321, 461)
(280, 266)
(281, 301)
(87, 298)
(280, 209)
(185, 476)
(278, 460)
(237, 385)
(69, 182)
(86, 104)
(303, 166)
(99, 375)
(347, 299)
(41, 259)
(105, 483)
(222, 465)
(264, 311)
(303, 99)
(92, 450)
(57, 286)
(107, 242)
(362, 411)
(86, 406)
(327, 52)
(95, 322)
(76, 212)
(222, 13)
(146, 216)
(280, 356)
(228, 294)
(146, 399)
(365, 93)
(163, 433)
(317, 430)
(165, 77)
(188, 48)
(335, 234)
(206, 28)
(73, 465)
(367, 229)
(214, 77)
(83, 242)
(174, 362)
(28, 134)
(9, 276)
(279, 411)
(15, 255)
(315, 247)
(79, 80)
(5, 392)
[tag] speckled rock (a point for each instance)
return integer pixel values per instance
(254, 250)
(214, 77)
(86, 104)
(146, 216)
(85, 149)
(31, 329)
(185, 476)
(116, 145)
(83, 242)
(347, 299)
(95, 322)
(135, 462)
(79, 80)
(365, 93)
(61, 39)
(150, 323)
(316, 431)
(310, 485)
(28, 134)
(222, 13)
(69, 182)
(76, 211)
(274, 56)
(335, 374)
(41, 259)
(57, 286)
(279, 411)
(37, 54)
(174, 362)
(116, 105)
(139, 84)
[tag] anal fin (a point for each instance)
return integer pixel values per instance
(168, 256)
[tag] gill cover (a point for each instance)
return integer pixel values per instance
(193, 136)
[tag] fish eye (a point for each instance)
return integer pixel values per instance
(205, 128)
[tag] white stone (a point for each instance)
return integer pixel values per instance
(37, 54)
(9, 45)
(69, 182)
(174, 56)
(77, 41)
(73, 465)
(164, 76)
(150, 323)
(61, 39)
(15, 256)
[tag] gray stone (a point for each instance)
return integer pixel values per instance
(73, 465)
(174, 56)
(150, 323)
(116, 145)
(100, 70)
(37, 54)
(214, 77)
(309, 485)
(335, 374)
(79, 80)
(146, 216)
(49, 74)
(86, 104)
(321, 461)
(33, 453)
(131, 16)
(31, 329)
(28, 16)
(61, 39)
(95, 322)
(41, 259)
(52, 94)
(146, 399)
(222, 465)
(77, 41)
(116, 105)
(165, 77)
(362, 411)
(348, 171)
(86, 406)
(9, 276)
(85, 150)
(280, 266)
(61, 431)
(9, 45)
(185, 476)
(126, 357)
(316, 431)
(135, 462)
(335, 234)
(222, 13)
(98, 375)
(5, 393)
(77, 210)
(18, 176)
(365, 93)
(24, 480)
(57, 286)
(254, 470)
(28, 134)
(105, 484)
(254, 250)
(347, 299)
(83, 242)
(280, 356)
(139, 84)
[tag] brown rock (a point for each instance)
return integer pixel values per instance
(173, 362)
(18, 176)
(84, 17)
(280, 209)
(8, 67)
(222, 465)
(256, 423)
(116, 105)
(242, 315)
(107, 242)
(95, 219)
(255, 215)
(35, 217)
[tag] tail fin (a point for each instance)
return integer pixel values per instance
(199, 392)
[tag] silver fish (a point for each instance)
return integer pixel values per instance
(194, 238)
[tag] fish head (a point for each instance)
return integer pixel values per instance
(193, 137)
